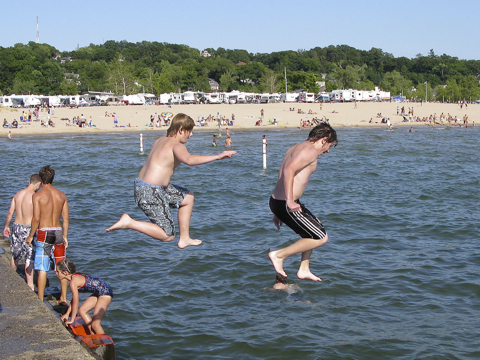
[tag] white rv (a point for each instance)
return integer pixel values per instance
(289, 97)
(31, 100)
(134, 99)
(214, 98)
(6, 101)
(309, 97)
(189, 97)
(77, 100)
(165, 98)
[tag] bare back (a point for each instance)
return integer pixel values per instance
(161, 162)
(24, 206)
(298, 165)
(49, 204)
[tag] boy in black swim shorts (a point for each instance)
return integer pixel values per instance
(299, 163)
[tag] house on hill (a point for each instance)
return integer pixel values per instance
(213, 84)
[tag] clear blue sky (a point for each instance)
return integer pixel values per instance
(403, 28)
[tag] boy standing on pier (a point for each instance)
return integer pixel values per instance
(299, 163)
(154, 193)
(22, 207)
(49, 204)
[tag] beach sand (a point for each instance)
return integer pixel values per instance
(246, 115)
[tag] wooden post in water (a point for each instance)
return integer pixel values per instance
(141, 144)
(264, 152)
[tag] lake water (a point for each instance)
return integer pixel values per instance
(400, 271)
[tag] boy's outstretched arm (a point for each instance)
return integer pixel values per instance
(181, 153)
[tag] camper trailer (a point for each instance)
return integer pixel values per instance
(289, 97)
(308, 97)
(134, 99)
(165, 98)
(6, 101)
(189, 97)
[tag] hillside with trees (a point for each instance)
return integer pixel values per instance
(123, 68)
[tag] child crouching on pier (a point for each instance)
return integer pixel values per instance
(101, 297)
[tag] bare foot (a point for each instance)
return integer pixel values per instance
(307, 275)
(123, 223)
(277, 263)
(183, 243)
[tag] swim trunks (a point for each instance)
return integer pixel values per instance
(49, 248)
(304, 223)
(156, 201)
(19, 247)
(96, 286)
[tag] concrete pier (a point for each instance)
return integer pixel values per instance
(28, 328)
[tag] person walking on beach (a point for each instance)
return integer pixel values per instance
(299, 163)
(154, 193)
(22, 207)
(49, 204)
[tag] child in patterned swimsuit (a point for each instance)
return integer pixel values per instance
(98, 301)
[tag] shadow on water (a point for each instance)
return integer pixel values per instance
(399, 272)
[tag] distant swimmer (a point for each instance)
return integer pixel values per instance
(411, 129)
(299, 163)
(228, 142)
(214, 141)
(154, 193)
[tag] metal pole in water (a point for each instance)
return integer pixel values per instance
(264, 152)
(141, 144)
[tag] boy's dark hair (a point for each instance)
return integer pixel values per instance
(66, 265)
(323, 130)
(280, 279)
(46, 174)
(180, 121)
(35, 178)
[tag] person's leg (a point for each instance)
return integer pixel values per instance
(13, 263)
(29, 275)
(301, 246)
(63, 291)
(184, 216)
(145, 227)
(41, 283)
(83, 310)
(100, 310)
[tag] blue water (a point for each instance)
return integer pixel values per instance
(400, 271)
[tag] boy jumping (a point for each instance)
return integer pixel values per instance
(154, 193)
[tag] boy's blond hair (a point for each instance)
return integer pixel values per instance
(180, 121)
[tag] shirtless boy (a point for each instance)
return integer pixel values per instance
(154, 193)
(299, 163)
(22, 206)
(49, 204)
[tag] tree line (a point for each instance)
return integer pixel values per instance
(123, 67)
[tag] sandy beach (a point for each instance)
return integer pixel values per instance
(137, 118)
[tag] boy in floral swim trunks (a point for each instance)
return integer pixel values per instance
(22, 206)
(154, 193)
(49, 204)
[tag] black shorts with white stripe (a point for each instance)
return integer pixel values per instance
(304, 223)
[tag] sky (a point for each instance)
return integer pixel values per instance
(402, 28)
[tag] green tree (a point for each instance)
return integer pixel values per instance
(269, 81)
(469, 89)
(227, 80)
(69, 87)
(396, 84)
(121, 80)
